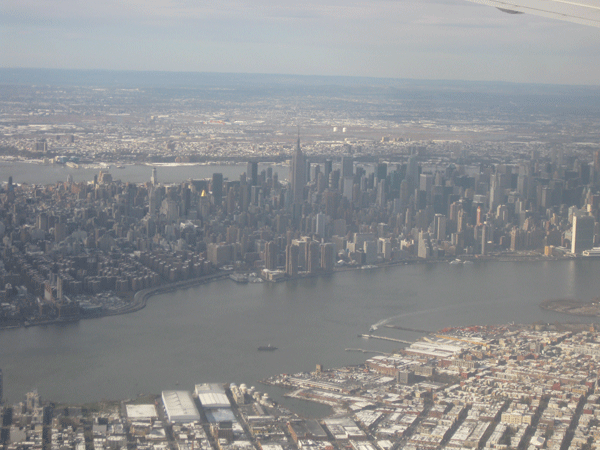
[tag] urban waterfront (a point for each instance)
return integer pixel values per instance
(211, 333)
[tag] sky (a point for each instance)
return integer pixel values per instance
(417, 39)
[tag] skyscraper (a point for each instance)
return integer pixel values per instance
(271, 253)
(347, 166)
(328, 168)
(583, 233)
(381, 173)
(439, 227)
(298, 175)
(314, 256)
(291, 259)
(252, 173)
(327, 256)
(217, 188)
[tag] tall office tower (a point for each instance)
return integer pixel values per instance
(439, 227)
(370, 250)
(348, 183)
(301, 244)
(334, 180)
(381, 173)
(298, 176)
(245, 191)
(461, 224)
(597, 166)
(484, 239)
(404, 193)
(255, 193)
(347, 176)
(453, 211)
(328, 168)
(1, 387)
(291, 259)
(314, 256)
(523, 185)
(582, 237)
(423, 250)
(59, 291)
(315, 171)
(496, 191)
(186, 200)
(347, 166)
(425, 182)
(412, 172)
(307, 172)
(271, 254)
(230, 200)
(381, 198)
(154, 177)
(321, 220)
(322, 182)
(217, 188)
(252, 173)
(327, 256)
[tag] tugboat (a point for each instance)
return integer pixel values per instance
(268, 348)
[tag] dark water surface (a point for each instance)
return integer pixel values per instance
(35, 173)
(211, 333)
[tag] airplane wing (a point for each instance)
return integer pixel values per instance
(585, 12)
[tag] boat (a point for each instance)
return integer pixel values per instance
(268, 348)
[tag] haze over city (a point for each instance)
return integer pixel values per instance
(432, 39)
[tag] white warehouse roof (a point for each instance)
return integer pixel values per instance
(212, 395)
(138, 412)
(180, 407)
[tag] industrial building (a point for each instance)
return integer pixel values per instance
(212, 395)
(180, 407)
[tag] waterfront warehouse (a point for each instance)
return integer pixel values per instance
(212, 395)
(180, 407)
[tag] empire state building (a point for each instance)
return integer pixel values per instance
(298, 175)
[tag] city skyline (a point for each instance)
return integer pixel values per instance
(438, 39)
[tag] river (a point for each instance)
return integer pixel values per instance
(37, 173)
(211, 333)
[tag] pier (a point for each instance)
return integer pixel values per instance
(416, 330)
(366, 351)
(372, 336)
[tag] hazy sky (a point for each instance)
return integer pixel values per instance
(432, 39)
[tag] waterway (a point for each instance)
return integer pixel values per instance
(211, 333)
(37, 173)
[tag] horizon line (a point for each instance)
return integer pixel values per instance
(289, 75)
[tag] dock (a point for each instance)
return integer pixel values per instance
(416, 330)
(384, 338)
(366, 351)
